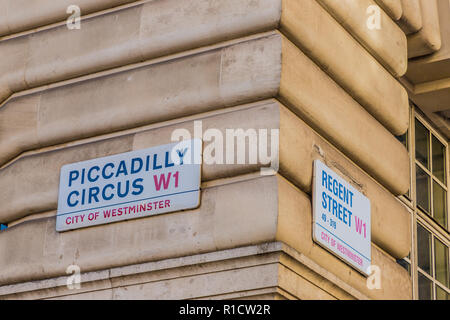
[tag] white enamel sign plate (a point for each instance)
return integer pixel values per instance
(341, 218)
(130, 185)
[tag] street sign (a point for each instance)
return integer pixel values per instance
(341, 218)
(130, 185)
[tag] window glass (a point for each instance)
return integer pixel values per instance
(441, 262)
(440, 204)
(423, 249)
(425, 287)
(422, 189)
(441, 294)
(422, 144)
(438, 159)
(431, 267)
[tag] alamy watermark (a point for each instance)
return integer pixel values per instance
(74, 20)
(374, 19)
(74, 280)
(373, 281)
(234, 146)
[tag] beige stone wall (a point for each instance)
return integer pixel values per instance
(428, 76)
(137, 70)
(224, 274)
(428, 39)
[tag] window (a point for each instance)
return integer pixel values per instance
(427, 201)
(430, 167)
(432, 265)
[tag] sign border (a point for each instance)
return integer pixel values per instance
(313, 222)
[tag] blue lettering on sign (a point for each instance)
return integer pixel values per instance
(339, 209)
(181, 154)
(111, 170)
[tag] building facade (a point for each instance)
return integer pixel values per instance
(361, 85)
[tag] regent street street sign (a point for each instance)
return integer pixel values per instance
(130, 185)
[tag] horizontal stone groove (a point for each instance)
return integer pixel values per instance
(128, 36)
(103, 43)
(428, 39)
(235, 72)
(22, 15)
(275, 205)
(38, 175)
(295, 152)
(392, 7)
(307, 24)
(248, 70)
(387, 44)
(192, 232)
(319, 101)
(294, 229)
(186, 267)
(411, 20)
(195, 261)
